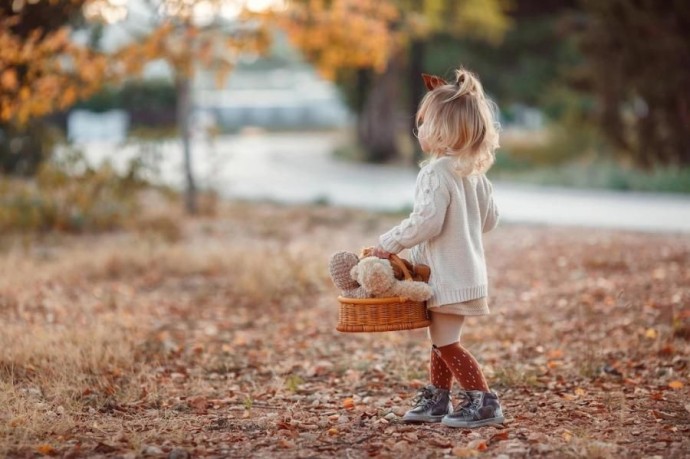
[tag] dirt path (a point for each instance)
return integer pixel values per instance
(222, 344)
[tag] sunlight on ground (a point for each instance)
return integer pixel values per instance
(221, 342)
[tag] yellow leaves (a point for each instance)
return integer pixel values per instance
(483, 19)
(366, 33)
(24, 94)
(55, 72)
(577, 393)
(650, 333)
(676, 385)
(346, 34)
(8, 80)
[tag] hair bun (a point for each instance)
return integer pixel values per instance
(466, 83)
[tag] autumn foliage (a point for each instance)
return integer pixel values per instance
(42, 69)
(343, 33)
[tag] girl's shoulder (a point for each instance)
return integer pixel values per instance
(443, 164)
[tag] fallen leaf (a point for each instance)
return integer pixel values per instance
(461, 451)
(411, 437)
(650, 333)
(333, 431)
(675, 384)
(104, 448)
(286, 444)
(479, 444)
(46, 450)
(555, 354)
(440, 442)
(499, 436)
(666, 351)
(402, 445)
(198, 404)
(348, 403)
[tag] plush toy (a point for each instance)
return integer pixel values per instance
(376, 277)
(339, 266)
(419, 272)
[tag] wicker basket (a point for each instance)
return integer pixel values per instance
(382, 314)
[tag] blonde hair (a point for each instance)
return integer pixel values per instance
(457, 119)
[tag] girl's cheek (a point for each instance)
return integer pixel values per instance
(423, 144)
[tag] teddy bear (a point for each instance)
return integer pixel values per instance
(418, 272)
(375, 276)
(340, 265)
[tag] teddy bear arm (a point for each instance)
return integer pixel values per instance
(358, 292)
(415, 291)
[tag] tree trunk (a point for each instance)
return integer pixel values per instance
(416, 68)
(184, 106)
(376, 128)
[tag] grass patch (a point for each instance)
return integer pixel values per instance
(596, 173)
(572, 154)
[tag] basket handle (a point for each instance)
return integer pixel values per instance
(399, 263)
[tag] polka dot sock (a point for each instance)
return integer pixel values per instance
(464, 367)
(441, 377)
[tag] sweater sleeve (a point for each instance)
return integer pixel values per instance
(432, 198)
(490, 211)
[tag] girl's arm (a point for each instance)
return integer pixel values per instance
(490, 217)
(426, 220)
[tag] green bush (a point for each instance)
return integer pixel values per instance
(23, 149)
(149, 103)
(70, 196)
(593, 173)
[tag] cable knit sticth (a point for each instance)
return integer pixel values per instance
(426, 219)
(444, 231)
(425, 206)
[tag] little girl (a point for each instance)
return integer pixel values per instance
(457, 128)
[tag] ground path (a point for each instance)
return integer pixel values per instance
(300, 168)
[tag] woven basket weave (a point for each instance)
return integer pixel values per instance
(382, 314)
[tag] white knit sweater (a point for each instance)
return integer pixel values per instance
(445, 230)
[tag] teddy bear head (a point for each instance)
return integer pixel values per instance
(374, 274)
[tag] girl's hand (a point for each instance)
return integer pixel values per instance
(379, 252)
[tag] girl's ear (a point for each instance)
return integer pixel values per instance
(432, 81)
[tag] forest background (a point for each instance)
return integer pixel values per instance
(139, 319)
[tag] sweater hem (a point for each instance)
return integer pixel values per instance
(457, 296)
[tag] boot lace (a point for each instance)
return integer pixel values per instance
(468, 406)
(425, 397)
